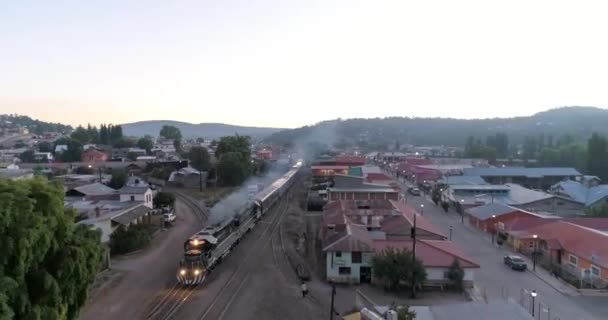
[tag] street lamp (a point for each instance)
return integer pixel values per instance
(462, 211)
(534, 253)
(421, 209)
(493, 228)
(450, 233)
(533, 294)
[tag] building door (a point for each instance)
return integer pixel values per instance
(365, 274)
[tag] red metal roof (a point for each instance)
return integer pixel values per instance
(352, 238)
(377, 176)
(583, 242)
(350, 159)
(432, 253)
(329, 167)
(421, 222)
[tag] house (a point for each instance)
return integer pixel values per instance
(142, 194)
(356, 188)
(405, 168)
(489, 217)
(136, 151)
(60, 148)
(588, 193)
(328, 171)
(89, 146)
(145, 158)
(511, 194)
(188, 177)
(566, 247)
(379, 178)
(263, 154)
(353, 231)
(536, 178)
(350, 160)
(107, 216)
(93, 156)
(436, 256)
(93, 191)
(389, 157)
(43, 156)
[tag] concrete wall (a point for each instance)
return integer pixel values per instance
(147, 198)
(333, 264)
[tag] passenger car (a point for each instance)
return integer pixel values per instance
(414, 191)
(516, 263)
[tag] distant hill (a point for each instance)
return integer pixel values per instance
(190, 130)
(577, 122)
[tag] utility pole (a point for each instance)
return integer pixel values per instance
(99, 169)
(200, 175)
(413, 234)
(333, 294)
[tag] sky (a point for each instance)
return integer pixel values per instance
(281, 63)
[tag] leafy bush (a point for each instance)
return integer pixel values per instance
(125, 240)
(456, 276)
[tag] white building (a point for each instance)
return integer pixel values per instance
(143, 194)
(107, 216)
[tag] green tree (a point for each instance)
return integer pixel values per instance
(599, 211)
(125, 240)
(123, 143)
(597, 149)
(170, 133)
(72, 154)
(145, 143)
(115, 134)
(104, 134)
(530, 148)
(119, 178)
(164, 199)
(162, 173)
(231, 169)
(199, 158)
(27, 156)
(240, 144)
(47, 262)
(404, 313)
(132, 156)
(456, 276)
(396, 268)
(80, 135)
(45, 147)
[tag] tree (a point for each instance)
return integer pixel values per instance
(115, 134)
(45, 147)
(119, 178)
(404, 313)
(164, 199)
(231, 169)
(530, 148)
(80, 135)
(27, 156)
(19, 145)
(145, 143)
(123, 143)
(162, 173)
(170, 133)
(456, 276)
(396, 267)
(597, 151)
(104, 134)
(47, 262)
(72, 154)
(199, 158)
(240, 144)
(125, 240)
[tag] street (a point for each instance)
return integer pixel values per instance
(494, 279)
(134, 280)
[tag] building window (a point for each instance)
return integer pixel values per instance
(132, 198)
(338, 254)
(595, 271)
(573, 260)
(356, 257)
(344, 271)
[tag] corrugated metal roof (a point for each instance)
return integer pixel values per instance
(522, 172)
(432, 253)
(462, 180)
(95, 189)
(486, 211)
(128, 216)
(133, 190)
(581, 193)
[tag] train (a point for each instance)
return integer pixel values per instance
(207, 248)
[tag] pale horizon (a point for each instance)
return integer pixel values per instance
(285, 65)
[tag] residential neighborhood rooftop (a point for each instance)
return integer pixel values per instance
(521, 172)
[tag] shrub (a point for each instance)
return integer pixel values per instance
(125, 240)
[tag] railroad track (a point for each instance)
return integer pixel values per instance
(169, 302)
(227, 293)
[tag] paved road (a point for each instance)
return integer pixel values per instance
(134, 280)
(497, 280)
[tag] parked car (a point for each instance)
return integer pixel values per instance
(169, 217)
(516, 263)
(414, 191)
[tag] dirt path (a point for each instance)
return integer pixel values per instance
(125, 291)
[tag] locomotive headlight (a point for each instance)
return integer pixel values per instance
(196, 272)
(195, 242)
(182, 272)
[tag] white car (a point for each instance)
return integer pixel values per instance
(169, 217)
